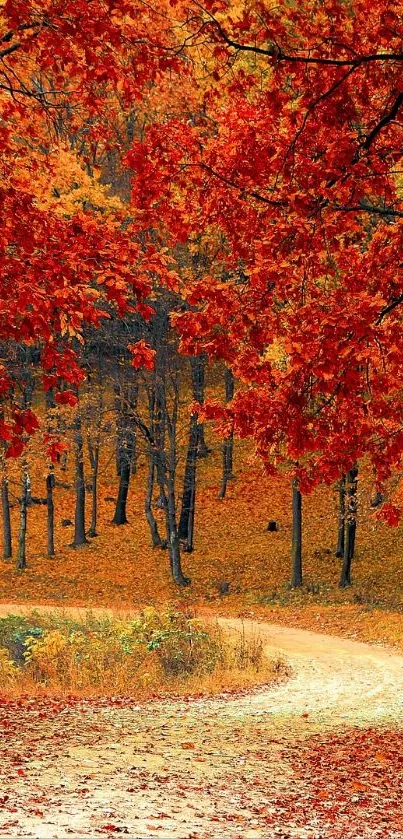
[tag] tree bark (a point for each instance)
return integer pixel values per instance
(198, 370)
(173, 536)
(296, 574)
(50, 403)
(22, 533)
(342, 517)
(94, 460)
(228, 446)
(25, 499)
(188, 508)
(119, 430)
(152, 466)
(120, 516)
(166, 471)
(79, 518)
(50, 483)
(7, 537)
(125, 460)
(151, 520)
(126, 445)
(351, 526)
(162, 434)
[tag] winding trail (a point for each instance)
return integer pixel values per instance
(222, 767)
(335, 680)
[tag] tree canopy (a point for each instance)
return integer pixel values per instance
(265, 147)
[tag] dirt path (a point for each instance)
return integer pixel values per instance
(230, 767)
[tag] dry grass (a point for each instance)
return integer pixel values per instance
(157, 653)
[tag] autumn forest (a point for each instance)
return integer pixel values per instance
(201, 418)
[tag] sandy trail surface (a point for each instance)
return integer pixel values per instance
(269, 764)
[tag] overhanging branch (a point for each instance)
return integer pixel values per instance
(389, 308)
(389, 117)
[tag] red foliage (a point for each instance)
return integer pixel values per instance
(288, 167)
(353, 781)
(142, 355)
(62, 271)
(66, 397)
(294, 174)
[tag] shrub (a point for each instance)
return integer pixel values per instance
(182, 645)
(14, 632)
(7, 668)
(157, 651)
(247, 652)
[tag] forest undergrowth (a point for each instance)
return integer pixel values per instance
(162, 652)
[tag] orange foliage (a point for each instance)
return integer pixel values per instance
(120, 569)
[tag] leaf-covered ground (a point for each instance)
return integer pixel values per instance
(318, 756)
(120, 569)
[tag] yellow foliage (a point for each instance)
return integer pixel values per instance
(7, 668)
(159, 650)
(72, 188)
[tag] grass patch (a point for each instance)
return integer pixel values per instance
(158, 652)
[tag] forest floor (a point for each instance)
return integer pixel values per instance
(119, 568)
(318, 755)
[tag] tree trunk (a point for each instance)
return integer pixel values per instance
(125, 460)
(61, 429)
(22, 533)
(119, 411)
(7, 538)
(125, 451)
(166, 472)
(94, 459)
(148, 503)
(173, 536)
(198, 369)
(165, 401)
(79, 519)
(296, 575)
(228, 446)
(152, 522)
(186, 522)
(342, 517)
(50, 400)
(50, 483)
(167, 491)
(351, 526)
(120, 516)
(50, 403)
